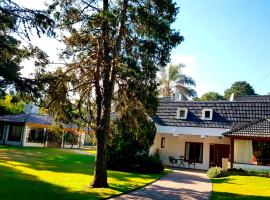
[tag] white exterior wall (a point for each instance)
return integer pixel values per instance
(250, 167)
(175, 146)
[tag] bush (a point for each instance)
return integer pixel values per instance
(149, 164)
(215, 172)
(235, 171)
(140, 163)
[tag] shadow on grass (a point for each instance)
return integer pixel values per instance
(18, 186)
(54, 160)
(228, 195)
(15, 183)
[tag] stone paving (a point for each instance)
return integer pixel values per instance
(181, 184)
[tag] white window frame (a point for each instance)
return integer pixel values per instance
(203, 114)
(178, 113)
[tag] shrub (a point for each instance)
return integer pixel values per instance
(235, 171)
(215, 172)
(149, 164)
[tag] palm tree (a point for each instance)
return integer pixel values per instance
(172, 79)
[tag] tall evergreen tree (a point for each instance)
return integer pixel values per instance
(115, 48)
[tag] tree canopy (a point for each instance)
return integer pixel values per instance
(17, 24)
(113, 50)
(10, 104)
(172, 79)
(239, 88)
(210, 96)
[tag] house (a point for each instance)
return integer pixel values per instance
(206, 132)
(31, 130)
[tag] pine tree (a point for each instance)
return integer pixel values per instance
(115, 49)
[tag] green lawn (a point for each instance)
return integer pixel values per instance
(91, 151)
(44, 173)
(241, 188)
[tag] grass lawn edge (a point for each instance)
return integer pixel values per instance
(166, 172)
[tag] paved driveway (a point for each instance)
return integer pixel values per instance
(184, 184)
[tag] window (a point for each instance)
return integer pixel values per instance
(162, 144)
(1, 131)
(261, 153)
(182, 113)
(207, 114)
(194, 152)
(15, 133)
(36, 135)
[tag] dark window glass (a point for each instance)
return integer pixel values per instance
(194, 152)
(182, 113)
(36, 135)
(207, 114)
(162, 145)
(15, 133)
(261, 153)
(1, 131)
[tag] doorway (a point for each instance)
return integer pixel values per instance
(217, 152)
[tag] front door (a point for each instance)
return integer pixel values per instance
(217, 152)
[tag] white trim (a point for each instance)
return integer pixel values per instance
(203, 113)
(175, 130)
(178, 113)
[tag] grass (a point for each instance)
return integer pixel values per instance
(91, 151)
(241, 188)
(44, 173)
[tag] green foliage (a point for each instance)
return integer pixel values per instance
(172, 78)
(55, 133)
(215, 172)
(71, 138)
(115, 49)
(210, 96)
(132, 135)
(11, 105)
(16, 20)
(239, 88)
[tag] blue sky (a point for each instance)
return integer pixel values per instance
(225, 41)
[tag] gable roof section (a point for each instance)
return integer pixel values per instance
(257, 128)
(226, 114)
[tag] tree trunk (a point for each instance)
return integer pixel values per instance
(100, 175)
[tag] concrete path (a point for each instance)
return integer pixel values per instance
(184, 184)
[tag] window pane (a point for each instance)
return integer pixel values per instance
(14, 134)
(207, 114)
(162, 145)
(182, 113)
(261, 152)
(1, 131)
(194, 152)
(36, 135)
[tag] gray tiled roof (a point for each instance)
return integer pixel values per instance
(257, 128)
(34, 119)
(257, 98)
(225, 113)
(28, 118)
